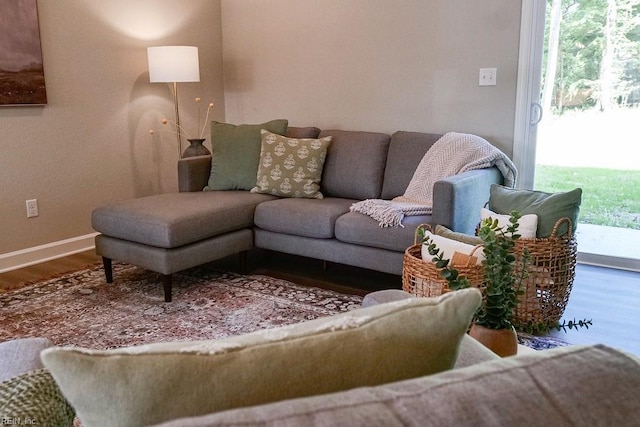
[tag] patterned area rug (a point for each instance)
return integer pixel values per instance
(80, 309)
(540, 343)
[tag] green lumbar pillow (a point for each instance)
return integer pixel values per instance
(549, 207)
(236, 152)
(154, 383)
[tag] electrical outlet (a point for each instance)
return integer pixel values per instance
(32, 208)
(487, 77)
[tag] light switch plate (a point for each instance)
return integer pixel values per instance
(488, 76)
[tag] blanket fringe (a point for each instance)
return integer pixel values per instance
(453, 153)
(388, 213)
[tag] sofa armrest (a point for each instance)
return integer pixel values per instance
(193, 173)
(457, 199)
(20, 356)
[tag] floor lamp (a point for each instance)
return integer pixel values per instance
(174, 64)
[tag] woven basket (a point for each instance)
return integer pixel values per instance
(422, 278)
(551, 270)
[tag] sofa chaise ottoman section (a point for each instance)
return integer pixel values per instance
(168, 233)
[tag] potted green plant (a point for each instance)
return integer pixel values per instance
(493, 323)
(504, 276)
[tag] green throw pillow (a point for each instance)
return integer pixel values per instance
(291, 167)
(235, 153)
(369, 346)
(549, 207)
(34, 398)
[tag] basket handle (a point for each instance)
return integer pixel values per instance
(475, 248)
(421, 227)
(559, 223)
(472, 253)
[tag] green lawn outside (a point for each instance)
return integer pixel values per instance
(609, 197)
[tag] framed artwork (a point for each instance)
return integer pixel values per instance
(21, 69)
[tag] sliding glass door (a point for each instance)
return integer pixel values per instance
(584, 75)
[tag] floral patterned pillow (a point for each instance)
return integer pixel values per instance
(291, 167)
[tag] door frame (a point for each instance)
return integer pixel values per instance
(527, 110)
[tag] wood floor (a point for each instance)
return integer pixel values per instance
(611, 298)
(17, 278)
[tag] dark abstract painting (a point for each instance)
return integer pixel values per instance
(21, 69)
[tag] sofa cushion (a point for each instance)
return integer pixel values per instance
(300, 217)
(235, 153)
(363, 230)
(159, 382)
(550, 207)
(568, 386)
(291, 167)
(355, 164)
(176, 219)
(406, 149)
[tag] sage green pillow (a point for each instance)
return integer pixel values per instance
(369, 346)
(291, 167)
(549, 207)
(235, 153)
(34, 398)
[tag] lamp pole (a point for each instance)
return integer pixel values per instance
(178, 128)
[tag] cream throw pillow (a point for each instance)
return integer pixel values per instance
(449, 247)
(159, 382)
(528, 223)
(291, 167)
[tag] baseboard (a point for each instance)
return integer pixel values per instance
(38, 254)
(599, 260)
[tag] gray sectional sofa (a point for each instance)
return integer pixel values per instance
(171, 232)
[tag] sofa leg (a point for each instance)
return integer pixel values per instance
(325, 265)
(108, 270)
(166, 284)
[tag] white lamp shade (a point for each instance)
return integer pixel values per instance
(168, 64)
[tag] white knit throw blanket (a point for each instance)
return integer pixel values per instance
(452, 154)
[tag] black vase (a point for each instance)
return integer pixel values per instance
(196, 148)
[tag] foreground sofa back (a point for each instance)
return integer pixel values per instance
(570, 386)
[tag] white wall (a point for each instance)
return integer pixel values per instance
(377, 65)
(91, 145)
